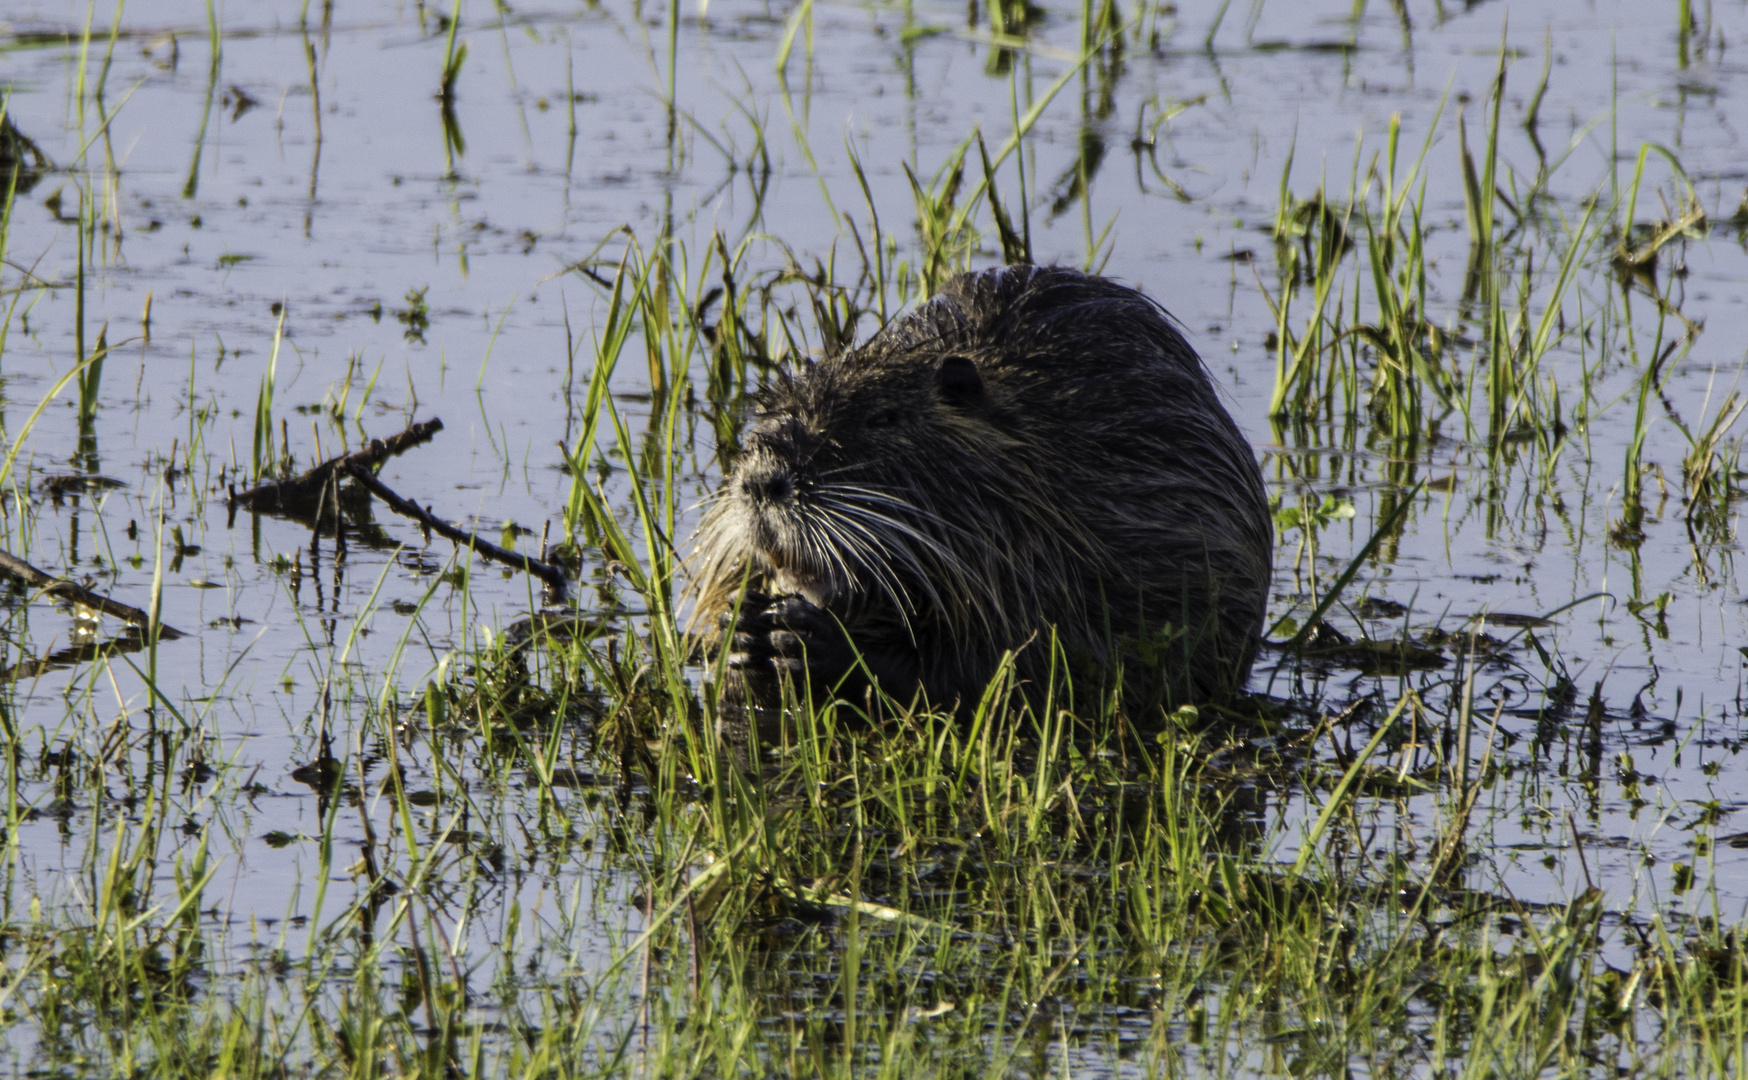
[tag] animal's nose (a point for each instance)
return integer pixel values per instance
(768, 484)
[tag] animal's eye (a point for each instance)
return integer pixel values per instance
(882, 418)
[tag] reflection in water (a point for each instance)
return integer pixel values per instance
(22, 162)
(85, 649)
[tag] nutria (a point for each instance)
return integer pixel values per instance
(1034, 460)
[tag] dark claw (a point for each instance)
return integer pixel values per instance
(796, 613)
(749, 630)
(752, 599)
(751, 642)
(747, 612)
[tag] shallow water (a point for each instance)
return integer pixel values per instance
(307, 170)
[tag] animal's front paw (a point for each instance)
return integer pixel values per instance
(807, 640)
(750, 646)
(785, 636)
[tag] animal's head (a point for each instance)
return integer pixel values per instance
(850, 482)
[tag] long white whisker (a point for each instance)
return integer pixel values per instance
(958, 573)
(815, 525)
(873, 556)
(929, 543)
(861, 496)
(868, 557)
(879, 559)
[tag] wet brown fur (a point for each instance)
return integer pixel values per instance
(1034, 455)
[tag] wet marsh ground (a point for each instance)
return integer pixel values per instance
(1471, 277)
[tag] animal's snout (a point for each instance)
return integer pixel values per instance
(768, 484)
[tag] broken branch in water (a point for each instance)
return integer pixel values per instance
(553, 576)
(306, 494)
(66, 590)
(302, 494)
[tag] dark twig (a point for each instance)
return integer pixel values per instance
(66, 590)
(307, 490)
(553, 576)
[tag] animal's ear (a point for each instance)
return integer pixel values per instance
(959, 382)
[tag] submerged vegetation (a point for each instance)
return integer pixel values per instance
(383, 811)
